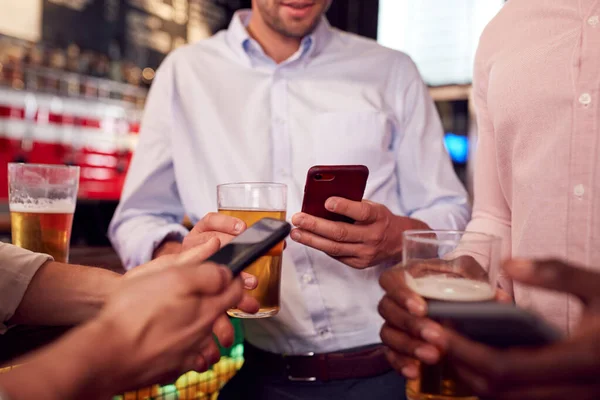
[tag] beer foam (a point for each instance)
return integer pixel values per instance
(44, 207)
(440, 287)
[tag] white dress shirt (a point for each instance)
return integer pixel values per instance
(222, 111)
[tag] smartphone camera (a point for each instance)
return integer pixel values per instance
(318, 177)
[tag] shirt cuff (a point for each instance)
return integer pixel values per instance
(152, 241)
(17, 268)
(444, 216)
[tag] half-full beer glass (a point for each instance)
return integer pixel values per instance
(448, 266)
(251, 202)
(42, 201)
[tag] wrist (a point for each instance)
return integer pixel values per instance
(404, 224)
(167, 247)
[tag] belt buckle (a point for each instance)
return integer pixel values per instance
(292, 378)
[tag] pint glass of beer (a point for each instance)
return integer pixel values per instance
(448, 266)
(42, 202)
(251, 202)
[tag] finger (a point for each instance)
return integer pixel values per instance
(248, 304)
(220, 223)
(206, 278)
(336, 231)
(420, 329)
(198, 254)
(334, 249)
(392, 281)
(250, 281)
(360, 211)
(401, 343)
(503, 297)
(210, 352)
(403, 365)
(223, 330)
(556, 275)
(196, 239)
(231, 295)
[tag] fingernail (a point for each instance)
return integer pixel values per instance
(520, 268)
(431, 335)
(239, 226)
(416, 307)
(295, 235)
(427, 354)
(249, 281)
(410, 372)
(299, 221)
(330, 205)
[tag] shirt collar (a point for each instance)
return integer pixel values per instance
(241, 43)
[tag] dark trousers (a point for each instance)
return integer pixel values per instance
(250, 384)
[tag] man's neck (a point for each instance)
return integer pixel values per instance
(274, 44)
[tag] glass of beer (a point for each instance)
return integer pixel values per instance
(42, 201)
(251, 202)
(448, 266)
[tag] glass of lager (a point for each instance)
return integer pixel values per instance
(448, 266)
(251, 202)
(42, 201)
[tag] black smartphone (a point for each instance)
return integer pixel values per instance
(494, 324)
(251, 244)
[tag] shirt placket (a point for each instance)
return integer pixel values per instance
(584, 150)
(282, 172)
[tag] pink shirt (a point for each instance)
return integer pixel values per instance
(537, 171)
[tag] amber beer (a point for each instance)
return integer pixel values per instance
(440, 381)
(42, 201)
(44, 230)
(267, 269)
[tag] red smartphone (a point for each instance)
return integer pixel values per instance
(325, 181)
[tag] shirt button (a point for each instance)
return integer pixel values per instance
(579, 190)
(307, 278)
(585, 99)
(323, 332)
(593, 20)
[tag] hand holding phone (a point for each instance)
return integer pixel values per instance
(251, 244)
(325, 181)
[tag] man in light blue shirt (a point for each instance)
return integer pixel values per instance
(276, 93)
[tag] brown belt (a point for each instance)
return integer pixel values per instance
(352, 364)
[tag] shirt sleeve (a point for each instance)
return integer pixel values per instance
(429, 188)
(150, 209)
(17, 268)
(491, 212)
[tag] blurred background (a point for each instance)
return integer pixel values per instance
(74, 75)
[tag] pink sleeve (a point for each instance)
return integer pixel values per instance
(491, 213)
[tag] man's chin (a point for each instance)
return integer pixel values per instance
(297, 31)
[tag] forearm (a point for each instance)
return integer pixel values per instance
(78, 366)
(63, 294)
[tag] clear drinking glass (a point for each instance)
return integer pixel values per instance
(251, 202)
(448, 266)
(42, 201)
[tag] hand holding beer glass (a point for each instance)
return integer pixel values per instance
(448, 266)
(251, 202)
(42, 201)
